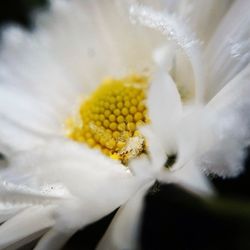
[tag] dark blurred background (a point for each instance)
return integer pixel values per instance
(172, 218)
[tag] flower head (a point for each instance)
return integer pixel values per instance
(104, 98)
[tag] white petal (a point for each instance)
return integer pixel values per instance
(124, 230)
(28, 71)
(46, 72)
(216, 136)
(9, 210)
(176, 31)
(227, 127)
(100, 40)
(25, 224)
(71, 54)
(187, 134)
(203, 16)
(156, 153)
(190, 177)
(27, 112)
(171, 5)
(16, 138)
(53, 240)
(95, 185)
(226, 159)
(18, 195)
(164, 107)
(185, 171)
(69, 163)
(229, 50)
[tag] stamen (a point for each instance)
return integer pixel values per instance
(109, 119)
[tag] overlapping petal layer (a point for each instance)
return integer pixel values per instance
(46, 72)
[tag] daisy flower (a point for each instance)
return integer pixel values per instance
(103, 98)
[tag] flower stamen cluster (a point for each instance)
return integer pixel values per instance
(110, 117)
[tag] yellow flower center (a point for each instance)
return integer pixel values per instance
(110, 117)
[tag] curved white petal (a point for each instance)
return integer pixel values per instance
(53, 240)
(185, 171)
(228, 51)
(15, 138)
(17, 194)
(9, 210)
(100, 40)
(170, 5)
(203, 16)
(124, 230)
(215, 136)
(25, 224)
(176, 30)
(157, 154)
(227, 127)
(225, 159)
(190, 177)
(19, 191)
(67, 162)
(25, 111)
(83, 184)
(164, 108)
(188, 131)
(46, 72)
(34, 88)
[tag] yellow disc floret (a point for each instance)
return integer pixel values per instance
(109, 118)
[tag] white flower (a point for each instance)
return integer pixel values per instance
(197, 85)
